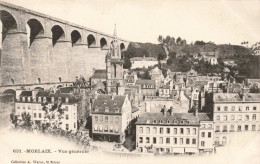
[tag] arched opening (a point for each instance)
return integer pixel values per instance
(39, 80)
(57, 33)
(34, 28)
(91, 40)
(7, 23)
(60, 79)
(103, 43)
(114, 70)
(122, 46)
(75, 37)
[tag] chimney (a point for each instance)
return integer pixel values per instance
(164, 111)
(171, 110)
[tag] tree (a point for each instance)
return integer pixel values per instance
(172, 41)
(160, 39)
(127, 63)
(167, 39)
(146, 75)
(161, 56)
(178, 41)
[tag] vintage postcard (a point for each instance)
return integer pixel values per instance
(134, 81)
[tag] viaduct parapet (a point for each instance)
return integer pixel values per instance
(37, 48)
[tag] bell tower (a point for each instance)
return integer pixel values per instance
(114, 66)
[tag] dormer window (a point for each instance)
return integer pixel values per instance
(39, 99)
(182, 122)
(23, 98)
(44, 99)
(29, 99)
(67, 100)
(116, 110)
(160, 121)
(115, 103)
(168, 121)
(154, 121)
(96, 109)
(107, 110)
(188, 122)
(59, 99)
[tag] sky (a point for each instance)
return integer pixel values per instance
(220, 21)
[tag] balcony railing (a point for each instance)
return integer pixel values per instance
(224, 130)
(217, 131)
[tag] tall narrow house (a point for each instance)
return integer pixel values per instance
(114, 66)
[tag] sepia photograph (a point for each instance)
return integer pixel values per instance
(129, 81)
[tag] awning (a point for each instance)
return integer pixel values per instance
(178, 150)
(191, 150)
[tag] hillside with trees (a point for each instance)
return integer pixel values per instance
(179, 56)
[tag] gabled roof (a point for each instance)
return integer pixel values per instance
(108, 101)
(134, 109)
(204, 117)
(145, 81)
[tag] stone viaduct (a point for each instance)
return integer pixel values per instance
(38, 48)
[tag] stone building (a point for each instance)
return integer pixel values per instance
(111, 116)
(148, 87)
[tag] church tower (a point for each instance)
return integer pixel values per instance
(114, 66)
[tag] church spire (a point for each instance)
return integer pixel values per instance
(115, 32)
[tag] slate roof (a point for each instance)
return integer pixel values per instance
(66, 89)
(145, 81)
(177, 119)
(134, 109)
(26, 94)
(234, 97)
(105, 101)
(204, 117)
(99, 74)
(63, 96)
(43, 94)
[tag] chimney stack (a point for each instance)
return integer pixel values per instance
(164, 111)
(171, 110)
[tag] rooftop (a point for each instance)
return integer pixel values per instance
(99, 74)
(205, 117)
(145, 81)
(180, 119)
(26, 94)
(235, 97)
(108, 102)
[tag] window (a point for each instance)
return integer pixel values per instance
(247, 117)
(111, 119)
(194, 131)
(100, 128)
(225, 108)
(111, 129)
(106, 109)
(239, 117)
(181, 131)
(247, 108)
(194, 141)
(141, 130)
(188, 131)
(161, 130)
(233, 108)
(202, 143)
(106, 119)
(210, 125)
(154, 121)
(160, 121)
(34, 115)
(254, 108)
(218, 108)
(232, 117)
(66, 108)
(101, 118)
(154, 140)
(67, 126)
(254, 117)
(217, 128)
(147, 130)
(96, 118)
(187, 141)
(232, 127)
(106, 128)
(224, 139)
(116, 129)
(225, 128)
(40, 115)
(161, 140)
(253, 127)
(168, 130)
(67, 117)
(175, 140)
(240, 108)
(225, 118)
(154, 130)
(116, 120)
(147, 139)
(218, 118)
(209, 134)
(203, 126)
(203, 134)
(181, 141)
(239, 128)
(140, 139)
(168, 140)
(246, 127)
(95, 127)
